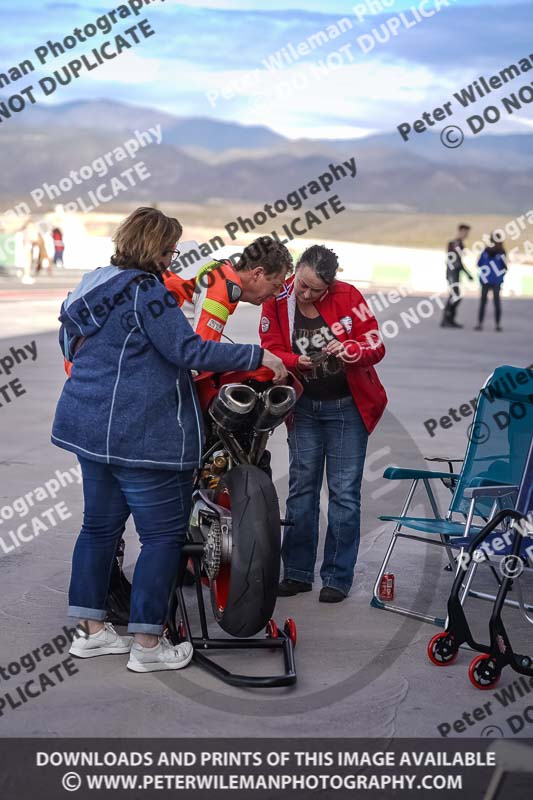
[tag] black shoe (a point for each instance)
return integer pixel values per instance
(445, 324)
(330, 595)
(455, 325)
(118, 597)
(478, 328)
(499, 328)
(118, 619)
(118, 609)
(119, 585)
(288, 587)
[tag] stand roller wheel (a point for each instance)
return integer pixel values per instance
(272, 630)
(442, 649)
(484, 672)
(290, 630)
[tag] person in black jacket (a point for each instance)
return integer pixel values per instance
(454, 267)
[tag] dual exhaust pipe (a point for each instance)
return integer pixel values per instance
(238, 406)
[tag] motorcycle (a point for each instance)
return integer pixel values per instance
(233, 544)
(235, 511)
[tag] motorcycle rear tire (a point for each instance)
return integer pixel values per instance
(256, 549)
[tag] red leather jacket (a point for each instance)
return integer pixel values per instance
(344, 309)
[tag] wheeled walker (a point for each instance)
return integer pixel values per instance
(486, 668)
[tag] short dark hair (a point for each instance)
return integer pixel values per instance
(463, 227)
(323, 260)
(268, 253)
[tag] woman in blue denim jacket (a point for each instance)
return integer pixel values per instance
(129, 412)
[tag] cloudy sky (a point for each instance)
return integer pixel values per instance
(222, 59)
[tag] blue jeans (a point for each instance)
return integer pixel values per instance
(330, 432)
(159, 501)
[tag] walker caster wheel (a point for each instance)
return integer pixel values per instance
(290, 630)
(483, 672)
(272, 630)
(442, 649)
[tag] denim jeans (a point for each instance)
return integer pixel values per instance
(329, 432)
(159, 501)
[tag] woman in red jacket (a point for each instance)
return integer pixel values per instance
(324, 329)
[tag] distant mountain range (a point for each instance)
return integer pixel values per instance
(201, 159)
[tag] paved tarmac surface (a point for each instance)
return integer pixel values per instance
(361, 671)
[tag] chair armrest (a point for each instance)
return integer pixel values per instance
(490, 491)
(400, 474)
(444, 460)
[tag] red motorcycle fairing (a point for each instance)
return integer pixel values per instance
(208, 383)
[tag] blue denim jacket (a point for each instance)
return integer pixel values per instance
(130, 398)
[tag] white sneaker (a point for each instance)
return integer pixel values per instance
(163, 656)
(106, 642)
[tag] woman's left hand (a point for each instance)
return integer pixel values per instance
(335, 348)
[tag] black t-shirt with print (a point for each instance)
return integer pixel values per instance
(326, 380)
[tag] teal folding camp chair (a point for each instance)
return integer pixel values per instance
(499, 441)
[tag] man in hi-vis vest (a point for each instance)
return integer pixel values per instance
(210, 296)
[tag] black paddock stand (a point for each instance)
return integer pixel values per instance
(179, 630)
